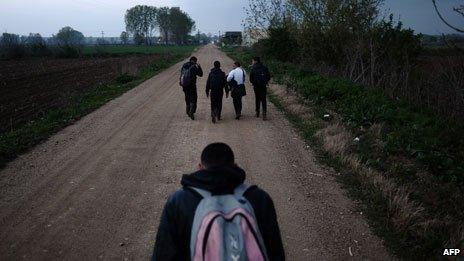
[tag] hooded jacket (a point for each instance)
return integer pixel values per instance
(173, 237)
(216, 82)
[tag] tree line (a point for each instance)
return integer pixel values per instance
(142, 21)
(354, 40)
(66, 43)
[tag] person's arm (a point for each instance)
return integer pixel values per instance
(226, 86)
(208, 85)
(166, 247)
(230, 76)
(251, 76)
(267, 221)
(268, 75)
(199, 71)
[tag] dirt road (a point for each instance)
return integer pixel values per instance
(96, 189)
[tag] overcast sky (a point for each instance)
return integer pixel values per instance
(93, 16)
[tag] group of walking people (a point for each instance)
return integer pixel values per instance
(219, 83)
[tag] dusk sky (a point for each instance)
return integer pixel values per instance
(93, 16)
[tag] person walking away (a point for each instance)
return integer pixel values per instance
(259, 78)
(215, 86)
(188, 81)
(216, 216)
(236, 80)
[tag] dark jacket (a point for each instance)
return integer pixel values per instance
(194, 72)
(217, 82)
(173, 238)
(259, 68)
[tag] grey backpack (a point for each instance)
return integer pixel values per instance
(225, 228)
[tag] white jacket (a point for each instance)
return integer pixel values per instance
(238, 75)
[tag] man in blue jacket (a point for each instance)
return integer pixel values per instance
(219, 175)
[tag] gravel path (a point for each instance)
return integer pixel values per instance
(96, 189)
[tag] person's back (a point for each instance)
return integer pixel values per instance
(260, 77)
(188, 80)
(174, 233)
(215, 86)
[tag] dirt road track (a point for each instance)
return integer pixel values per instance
(96, 189)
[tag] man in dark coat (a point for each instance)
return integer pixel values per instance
(260, 77)
(219, 175)
(190, 88)
(215, 89)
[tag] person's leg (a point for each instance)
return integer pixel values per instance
(219, 106)
(213, 106)
(257, 100)
(264, 101)
(194, 99)
(236, 107)
(187, 101)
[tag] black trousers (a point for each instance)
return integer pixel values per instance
(237, 105)
(260, 98)
(191, 98)
(216, 104)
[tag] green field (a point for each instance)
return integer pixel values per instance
(136, 49)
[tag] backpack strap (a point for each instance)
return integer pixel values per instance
(202, 192)
(241, 190)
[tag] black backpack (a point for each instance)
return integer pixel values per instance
(186, 75)
(260, 76)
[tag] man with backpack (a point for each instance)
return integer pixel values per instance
(215, 89)
(259, 78)
(236, 80)
(188, 81)
(216, 216)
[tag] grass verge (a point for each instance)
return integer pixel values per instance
(405, 165)
(20, 140)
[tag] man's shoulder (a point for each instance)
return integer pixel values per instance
(181, 194)
(257, 194)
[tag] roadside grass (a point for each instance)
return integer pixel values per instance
(406, 166)
(18, 141)
(117, 50)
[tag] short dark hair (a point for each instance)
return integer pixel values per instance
(193, 59)
(217, 154)
(217, 64)
(257, 59)
(237, 63)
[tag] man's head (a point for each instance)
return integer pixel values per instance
(237, 64)
(256, 60)
(193, 59)
(217, 64)
(216, 154)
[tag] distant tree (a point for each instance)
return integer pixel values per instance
(37, 45)
(181, 25)
(139, 39)
(67, 36)
(124, 37)
(70, 42)
(141, 20)
(164, 23)
(11, 47)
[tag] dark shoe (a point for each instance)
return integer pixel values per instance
(213, 119)
(192, 116)
(238, 117)
(257, 114)
(264, 117)
(219, 118)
